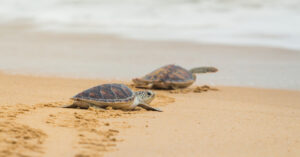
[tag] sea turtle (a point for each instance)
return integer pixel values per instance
(117, 96)
(171, 77)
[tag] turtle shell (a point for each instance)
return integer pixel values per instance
(107, 93)
(170, 73)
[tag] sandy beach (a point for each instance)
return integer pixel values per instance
(252, 107)
(52, 50)
(230, 121)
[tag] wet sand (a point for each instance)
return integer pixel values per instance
(230, 121)
(24, 49)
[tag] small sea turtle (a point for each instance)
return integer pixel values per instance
(117, 96)
(171, 77)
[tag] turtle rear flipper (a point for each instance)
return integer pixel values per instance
(203, 70)
(69, 106)
(77, 104)
(147, 107)
(140, 83)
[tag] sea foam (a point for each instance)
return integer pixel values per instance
(273, 23)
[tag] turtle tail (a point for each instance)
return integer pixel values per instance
(204, 70)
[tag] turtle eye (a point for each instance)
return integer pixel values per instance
(149, 93)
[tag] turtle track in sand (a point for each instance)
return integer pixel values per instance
(47, 130)
(72, 132)
(196, 89)
(17, 139)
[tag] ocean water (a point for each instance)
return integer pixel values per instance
(274, 23)
(271, 23)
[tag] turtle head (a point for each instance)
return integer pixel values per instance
(145, 96)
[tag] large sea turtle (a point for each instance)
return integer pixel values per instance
(117, 96)
(171, 77)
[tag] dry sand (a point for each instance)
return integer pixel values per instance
(230, 121)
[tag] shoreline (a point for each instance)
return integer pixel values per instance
(128, 81)
(232, 121)
(29, 27)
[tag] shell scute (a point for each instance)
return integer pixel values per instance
(107, 93)
(171, 73)
(126, 91)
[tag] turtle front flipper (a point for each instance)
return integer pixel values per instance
(203, 70)
(140, 83)
(147, 107)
